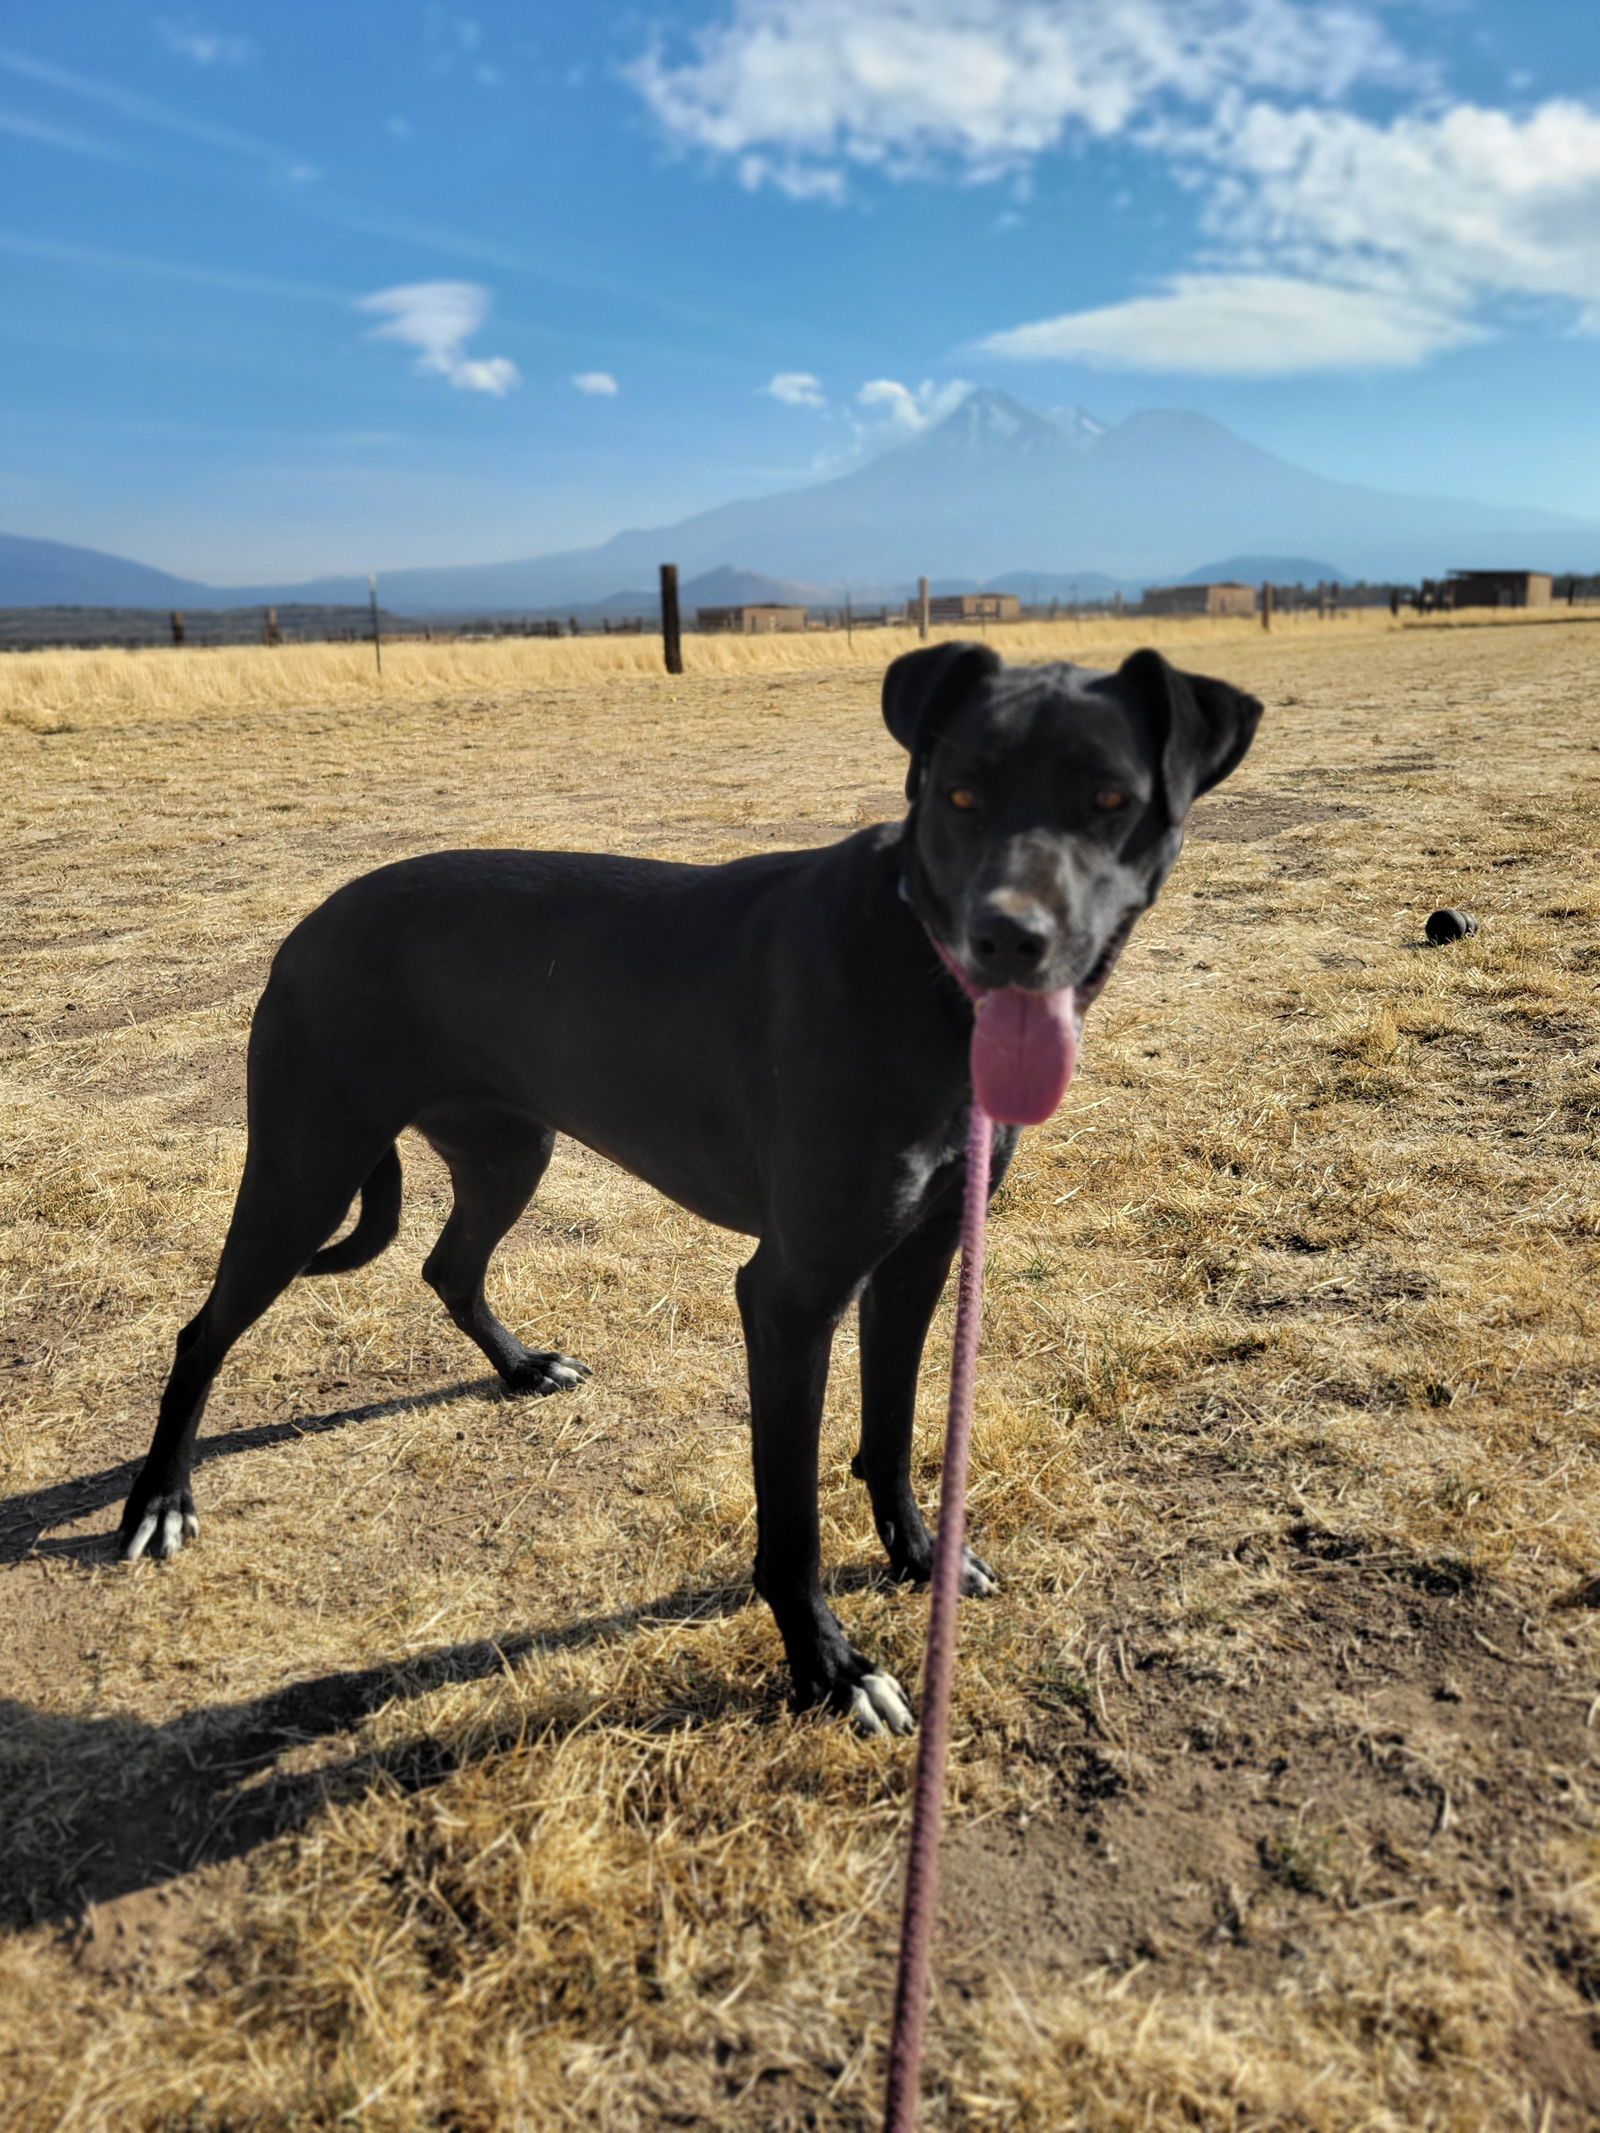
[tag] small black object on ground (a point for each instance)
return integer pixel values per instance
(1446, 926)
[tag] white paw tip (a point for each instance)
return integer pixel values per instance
(171, 1534)
(878, 1705)
(191, 1526)
(981, 1584)
(141, 1538)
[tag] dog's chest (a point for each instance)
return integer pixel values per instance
(922, 1173)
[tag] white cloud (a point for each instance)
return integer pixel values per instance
(489, 374)
(1244, 325)
(796, 91)
(206, 48)
(1462, 204)
(437, 318)
(600, 382)
(1341, 243)
(1327, 239)
(912, 408)
(797, 388)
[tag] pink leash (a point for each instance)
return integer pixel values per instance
(922, 1858)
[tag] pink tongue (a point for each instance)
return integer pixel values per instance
(1024, 1047)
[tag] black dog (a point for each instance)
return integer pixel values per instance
(773, 1043)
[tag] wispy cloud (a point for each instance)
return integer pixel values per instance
(97, 260)
(202, 47)
(23, 127)
(794, 93)
(797, 388)
(599, 382)
(438, 318)
(327, 203)
(456, 42)
(142, 110)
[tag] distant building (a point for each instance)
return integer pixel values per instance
(756, 620)
(1227, 597)
(1499, 588)
(971, 607)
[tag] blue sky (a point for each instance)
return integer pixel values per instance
(299, 288)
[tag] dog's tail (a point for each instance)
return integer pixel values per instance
(376, 1226)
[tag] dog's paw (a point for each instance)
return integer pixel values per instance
(158, 1530)
(542, 1372)
(978, 1581)
(878, 1705)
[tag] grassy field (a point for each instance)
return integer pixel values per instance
(56, 692)
(447, 1782)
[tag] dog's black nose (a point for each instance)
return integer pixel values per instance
(1008, 946)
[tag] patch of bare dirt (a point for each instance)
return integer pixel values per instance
(1418, 1743)
(75, 1020)
(156, 1937)
(1250, 818)
(206, 1086)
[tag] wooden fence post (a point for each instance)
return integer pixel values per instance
(269, 626)
(922, 609)
(1266, 606)
(177, 625)
(671, 626)
(377, 640)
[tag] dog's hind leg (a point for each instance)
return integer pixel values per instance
(897, 1306)
(495, 1163)
(294, 1192)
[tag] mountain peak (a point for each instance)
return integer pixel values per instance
(989, 421)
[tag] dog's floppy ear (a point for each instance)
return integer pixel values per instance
(1202, 727)
(921, 689)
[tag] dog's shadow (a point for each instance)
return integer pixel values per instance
(26, 1519)
(151, 1802)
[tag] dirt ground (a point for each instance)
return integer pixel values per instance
(447, 1781)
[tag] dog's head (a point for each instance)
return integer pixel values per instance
(1048, 803)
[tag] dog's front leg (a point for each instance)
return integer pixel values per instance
(788, 1328)
(897, 1306)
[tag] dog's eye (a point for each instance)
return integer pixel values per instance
(1109, 801)
(961, 796)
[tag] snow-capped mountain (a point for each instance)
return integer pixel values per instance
(994, 481)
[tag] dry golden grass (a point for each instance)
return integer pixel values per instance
(446, 1784)
(54, 692)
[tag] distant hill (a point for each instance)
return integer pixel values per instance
(54, 574)
(1268, 569)
(1092, 506)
